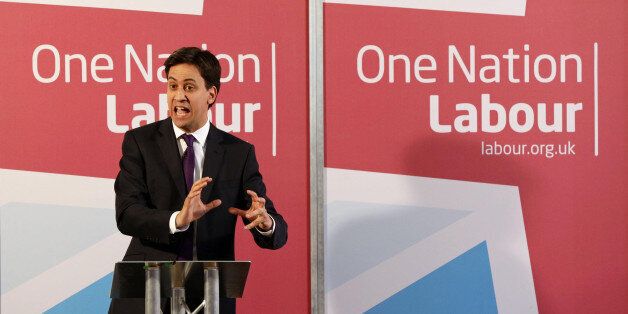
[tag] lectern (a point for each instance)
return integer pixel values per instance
(206, 280)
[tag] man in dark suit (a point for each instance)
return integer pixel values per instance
(183, 182)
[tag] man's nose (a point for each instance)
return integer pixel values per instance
(180, 95)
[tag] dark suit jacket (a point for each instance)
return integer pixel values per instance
(151, 186)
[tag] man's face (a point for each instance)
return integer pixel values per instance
(188, 99)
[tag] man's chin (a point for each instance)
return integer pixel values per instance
(181, 124)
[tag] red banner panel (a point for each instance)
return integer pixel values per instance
(77, 78)
(534, 101)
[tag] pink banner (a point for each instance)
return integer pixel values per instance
(534, 101)
(78, 78)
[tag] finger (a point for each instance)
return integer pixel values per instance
(237, 211)
(199, 185)
(213, 204)
(255, 223)
(193, 194)
(262, 201)
(255, 213)
(203, 179)
(252, 194)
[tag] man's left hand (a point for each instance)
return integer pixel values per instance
(256, 214)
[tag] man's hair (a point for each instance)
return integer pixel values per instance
(206, 63)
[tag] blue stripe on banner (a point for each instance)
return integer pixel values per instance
(463, 285)
(92, 299)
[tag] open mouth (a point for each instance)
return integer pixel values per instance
(181, 111)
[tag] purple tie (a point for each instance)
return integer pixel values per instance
(188, 161)
(185, 250)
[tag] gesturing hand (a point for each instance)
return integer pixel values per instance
(256, 214)
(193, 207)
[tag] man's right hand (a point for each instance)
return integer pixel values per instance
(193, 207)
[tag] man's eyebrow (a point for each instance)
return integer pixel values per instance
(186, 80)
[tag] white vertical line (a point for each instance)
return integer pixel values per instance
(274, 87)
(595, 97)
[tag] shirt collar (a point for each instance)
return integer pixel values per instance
(200, 135)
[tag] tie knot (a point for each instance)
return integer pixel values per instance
(189, 139)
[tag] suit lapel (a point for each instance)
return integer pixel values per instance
(168, 145)
(214, 153)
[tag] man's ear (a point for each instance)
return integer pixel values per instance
(212, 92)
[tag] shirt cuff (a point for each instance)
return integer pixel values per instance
(270, 232)
(173, 224)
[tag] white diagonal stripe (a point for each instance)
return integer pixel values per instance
(66, 278)
(500, 7)
(192, 7)
(55, 189)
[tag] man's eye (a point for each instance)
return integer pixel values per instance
(172, 86)
(189, 88)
